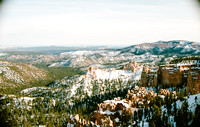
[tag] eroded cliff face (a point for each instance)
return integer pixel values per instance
(170, 75)
(193, 80)
(173, 75)
(180, 75)
(149, 76)
(133, 66)
(112, 112)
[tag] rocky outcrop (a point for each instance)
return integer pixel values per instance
(181, 75)
(77, 122)
(92, 72)
(133, 66)
(149, 76)
(112, 112)
(112, 73)
(138, 97)
(193, 80)
(164, 92)
(172, 75)
(111, 109)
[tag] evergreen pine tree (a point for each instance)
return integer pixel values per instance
(157, 116)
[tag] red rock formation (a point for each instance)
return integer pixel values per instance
(171, 75)
(77, 122)
(179, 75)
(138, 97)
(149, 76)
(133, 66)
(164, 92)
(92, 72)
(111, 112)
(193, 80)
(144, 76)
(112, 109)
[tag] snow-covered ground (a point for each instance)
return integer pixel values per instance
(191, 102)
(3, 54)
(85, 58)
(90, 52)
(115, 74)
(28, 90)
(100, 75)
(79, 86)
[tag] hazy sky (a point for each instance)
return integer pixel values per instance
(97, 22)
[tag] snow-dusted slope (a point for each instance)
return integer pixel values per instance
(142, 52)
(191, 102)
(162, 47)
(87, 81)
(115, 74)
(16, 73)
(146, 52)
(91, 53)
(87, 58)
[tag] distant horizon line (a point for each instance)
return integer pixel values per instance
(86, 45)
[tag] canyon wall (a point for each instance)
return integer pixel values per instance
(149, 76)
(173, 75)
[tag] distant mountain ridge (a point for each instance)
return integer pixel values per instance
(145, 52)
(52, 50)
(164, 47)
